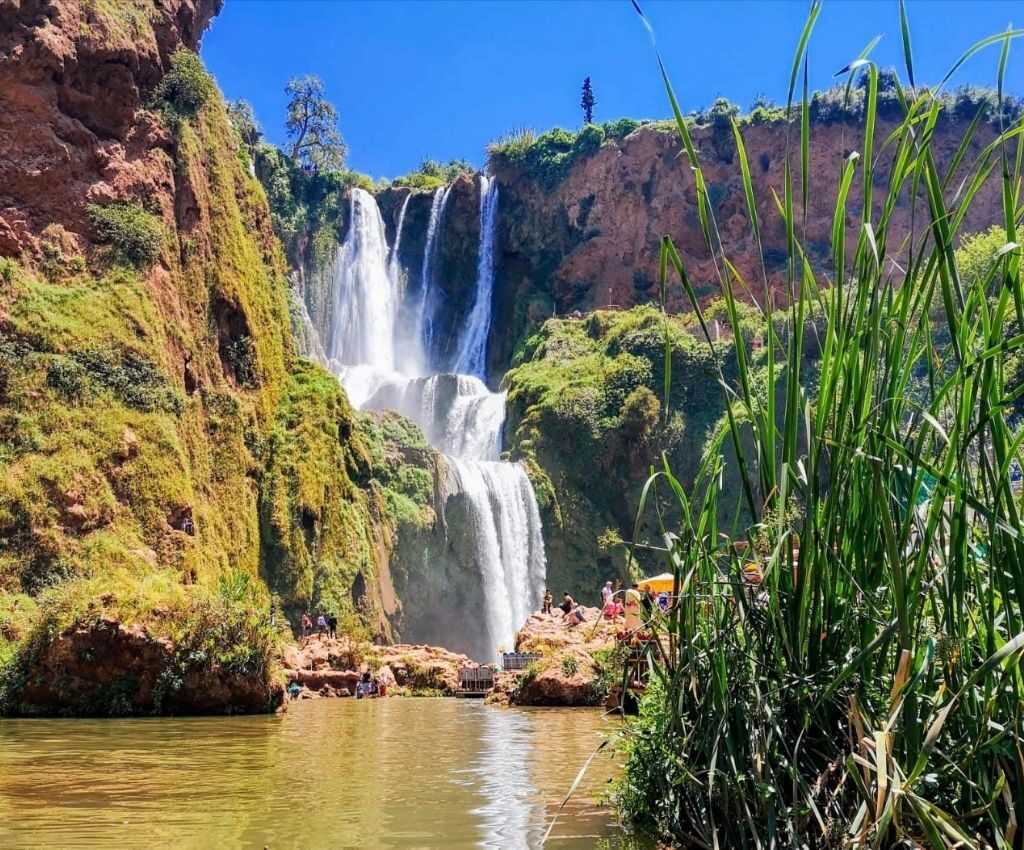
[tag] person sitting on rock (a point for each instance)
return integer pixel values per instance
(568, 603)
(575, 616)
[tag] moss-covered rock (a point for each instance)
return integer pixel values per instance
(587, 412)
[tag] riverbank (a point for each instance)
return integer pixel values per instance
(573, 667)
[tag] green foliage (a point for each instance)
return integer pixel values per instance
(886, 602)
(305, 205)
(584, 408)
(223, 627)
(513, 145)
(135, 237)
(548, 157)
(621, 128)
(588, 101)
(186, 88)
(570, 665)
(431, 174)
(102, 458)
(243, 119)
(134, 380)
(312, 126)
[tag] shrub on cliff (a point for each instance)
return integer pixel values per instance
(186, 88)
(306, 207)
(546, 158)
(431, 174)
(134, 236)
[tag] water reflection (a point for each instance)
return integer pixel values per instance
(375, 774)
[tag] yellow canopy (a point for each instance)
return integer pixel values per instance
(658, 584)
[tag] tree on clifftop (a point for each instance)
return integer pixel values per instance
(312, 125)
(588, 102)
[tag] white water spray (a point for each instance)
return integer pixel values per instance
(424, 323)
(393, 267)
(457, 413)
(472, 357)
(365, 298)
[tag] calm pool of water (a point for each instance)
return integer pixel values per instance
(336, 773)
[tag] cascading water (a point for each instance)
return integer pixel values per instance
(472, 356)
(365, 298)
(393, 267)
(458, 414)
(423, 327)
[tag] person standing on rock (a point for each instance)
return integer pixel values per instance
(546, 607)
(633, 608)
(332, 626)
(606, 594)
(307, 626)
(321, 626)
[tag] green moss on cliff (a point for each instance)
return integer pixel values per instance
(314, 519)
(136, 407)
(586, 412)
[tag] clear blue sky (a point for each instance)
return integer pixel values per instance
(413, 79)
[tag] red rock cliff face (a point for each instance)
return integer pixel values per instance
(594, 240)
(73, 75)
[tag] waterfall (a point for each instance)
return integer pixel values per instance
(510, 551)
(368, 350)
(365, 299)
(472, 357)
(424, 323)
(393, 268)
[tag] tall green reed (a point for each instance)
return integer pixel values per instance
(867, 691)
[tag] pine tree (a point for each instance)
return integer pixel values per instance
(588, 102)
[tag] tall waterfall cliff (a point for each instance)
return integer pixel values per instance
(379, 337)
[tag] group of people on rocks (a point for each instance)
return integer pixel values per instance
(572, 612)
(325, 624)
(634, 605)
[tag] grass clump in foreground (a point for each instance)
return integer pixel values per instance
(868, 692)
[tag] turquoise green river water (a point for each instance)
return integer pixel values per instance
(403, 773)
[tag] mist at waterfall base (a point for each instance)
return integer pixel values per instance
(378, 338)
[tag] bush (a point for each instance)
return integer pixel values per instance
(186, 88)
(135, 237)
(134, 380)
(67, 377)
(588, 141)
(621, 128)
(433, 173)
(570, 666)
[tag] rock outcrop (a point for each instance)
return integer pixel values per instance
(164, 455)
(73, 75)
(591, 241)
(105, 669)
(333, 666)
(577, 661)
